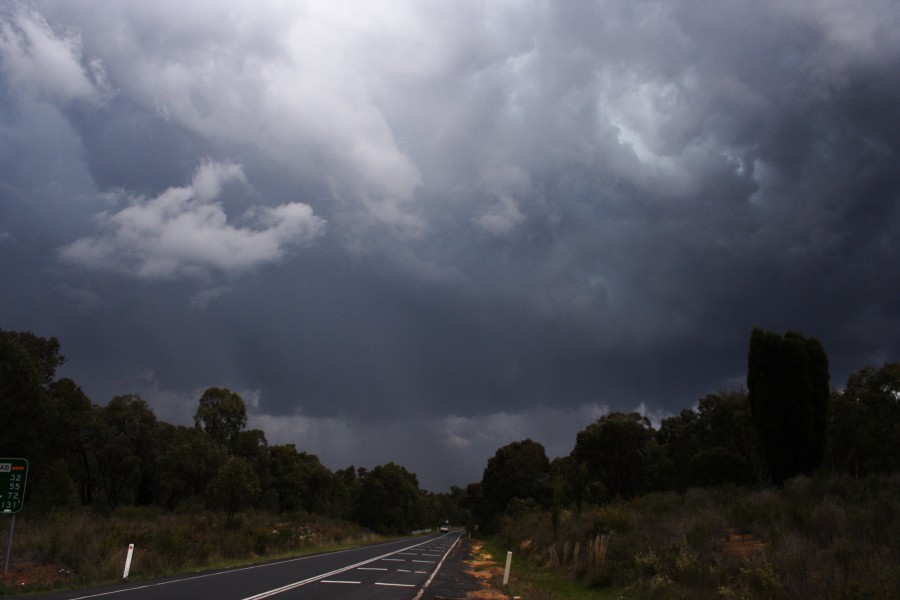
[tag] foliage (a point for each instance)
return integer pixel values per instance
(222, 415)
(389, 500)
(616, 449)
(27, 367)
(87, 549)
(235, 486)
(830, 536)
(520, 472)
(864, 424)
(120, 457)
(788, 381)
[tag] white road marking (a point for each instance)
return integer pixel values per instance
(436, 569)
(273, 592)
(396, 584)
(322, 576)
(340, 581)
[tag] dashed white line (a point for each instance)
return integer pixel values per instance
(340, 581)
(321, 577)
(396, 584)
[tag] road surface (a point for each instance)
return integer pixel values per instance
(401, 570)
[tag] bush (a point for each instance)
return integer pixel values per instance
(820, 537)
(86, 548)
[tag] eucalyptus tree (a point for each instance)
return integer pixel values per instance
(222, 414)
(617, 451)
(864, 425)
(517, 473)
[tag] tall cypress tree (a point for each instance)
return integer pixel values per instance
(789, 389)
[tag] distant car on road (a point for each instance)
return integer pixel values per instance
(445, 528)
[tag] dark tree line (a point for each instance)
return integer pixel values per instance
(789, 422)
(83, 454)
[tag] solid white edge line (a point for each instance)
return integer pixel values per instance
(436, 569)
(297, 584)
(229, 571)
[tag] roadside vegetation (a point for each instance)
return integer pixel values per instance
(79, 548)
(207, 495)
(786, 489)
(827, 536)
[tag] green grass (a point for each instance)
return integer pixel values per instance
(528, 580)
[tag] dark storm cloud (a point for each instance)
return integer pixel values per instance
(448, 225)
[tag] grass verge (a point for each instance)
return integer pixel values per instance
(80, 549)
(529, 580)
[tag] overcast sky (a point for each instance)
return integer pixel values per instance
(420, 230)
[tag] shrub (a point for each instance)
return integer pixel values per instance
(819, 537)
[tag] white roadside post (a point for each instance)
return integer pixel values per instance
(128, 561)
(506, 570)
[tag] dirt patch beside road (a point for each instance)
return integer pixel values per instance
(487, 571)
(469, 573)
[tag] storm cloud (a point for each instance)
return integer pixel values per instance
(417, 231)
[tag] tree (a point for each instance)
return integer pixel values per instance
(864, 428)
(124, 443)
(44, 353)
(615, 449)
(727, 423)
(346, 486)
(27, 367)
(681, 438)
(236, 486)
(73, 425)
(517, 471)
(316, 484)
(285, 476)
(188, 462)
(300, 481)
(390, 501)
(222, 415)
(252, 446)
(789, 387)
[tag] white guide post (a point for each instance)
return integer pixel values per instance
(506, 570)
(128, 561)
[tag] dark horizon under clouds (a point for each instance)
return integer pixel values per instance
(420, 231)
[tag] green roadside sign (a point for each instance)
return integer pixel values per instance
(13, 473)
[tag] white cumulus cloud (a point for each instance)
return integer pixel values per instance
(184, 231)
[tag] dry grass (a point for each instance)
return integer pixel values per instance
(824, 537)
(75, 549)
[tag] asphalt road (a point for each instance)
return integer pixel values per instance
(402, 570)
